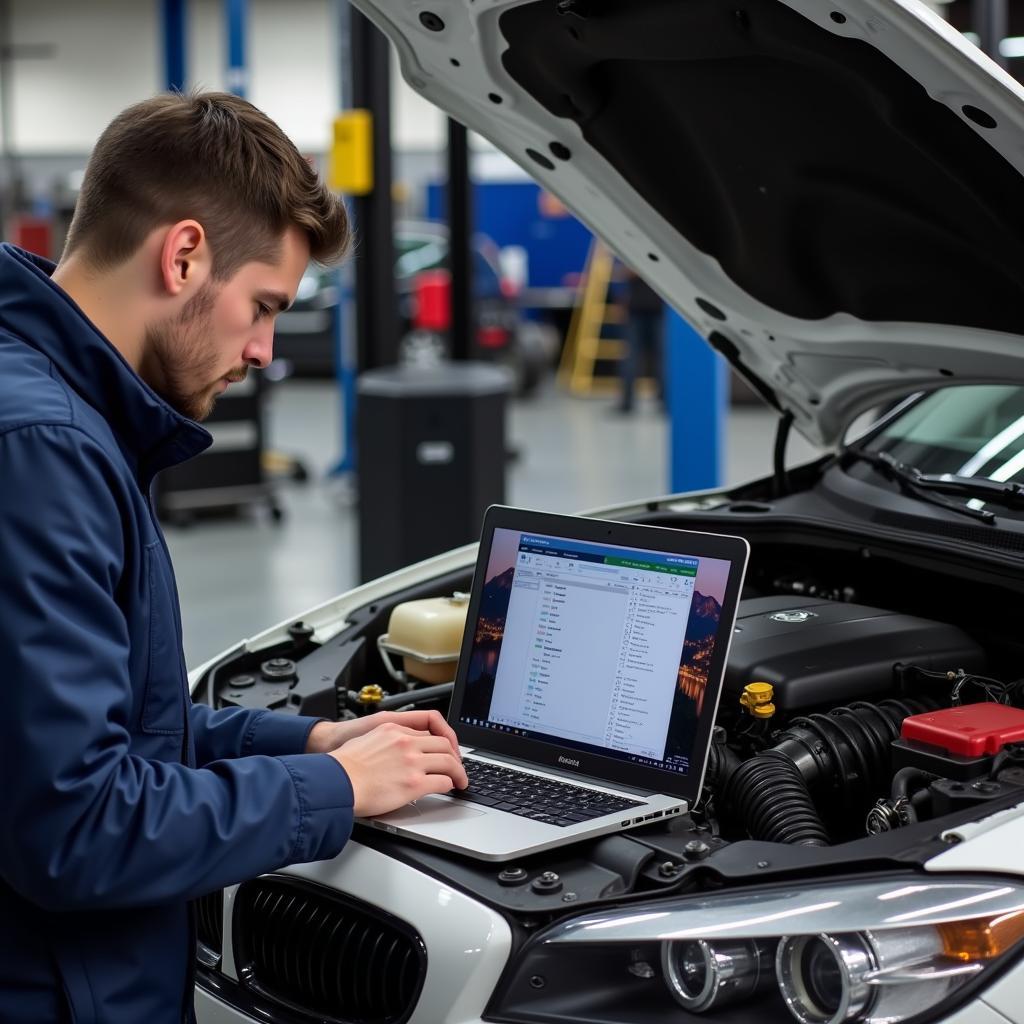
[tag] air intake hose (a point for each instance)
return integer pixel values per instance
(844, 754)
(722, 761)
(768, 794)
(847, 752)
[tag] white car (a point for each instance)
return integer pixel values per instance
(832, 193)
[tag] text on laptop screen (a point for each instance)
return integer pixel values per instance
(596, 647)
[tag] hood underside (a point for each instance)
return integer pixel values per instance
(831, 193)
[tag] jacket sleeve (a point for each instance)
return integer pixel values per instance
(239, 732)
(84, 823)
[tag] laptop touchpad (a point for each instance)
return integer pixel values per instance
(432, 809)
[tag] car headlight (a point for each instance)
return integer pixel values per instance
(703, 975)
(867, 952)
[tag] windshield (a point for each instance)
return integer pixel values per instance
(975, 431)
(968, 431)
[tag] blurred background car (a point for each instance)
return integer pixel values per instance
(305, 334)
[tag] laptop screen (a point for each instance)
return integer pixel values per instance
(597, 647)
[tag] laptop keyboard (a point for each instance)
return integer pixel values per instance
(541, 799)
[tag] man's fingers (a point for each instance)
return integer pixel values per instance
(399, 725)
(433, 722)
(394, 763)
(435, 784)
(418, 739)
(433, 744)
(448, 738)
(440, 727)
(447, 765)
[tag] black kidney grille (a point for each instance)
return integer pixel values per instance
(210, 921)
(326, 955)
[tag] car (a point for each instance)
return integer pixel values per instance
(304, 336)
(832, 194)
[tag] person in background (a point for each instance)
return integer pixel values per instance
(643, 339)
(121, 800)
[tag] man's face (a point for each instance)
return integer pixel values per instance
(225, 328)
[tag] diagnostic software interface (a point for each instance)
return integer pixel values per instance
(593, 646)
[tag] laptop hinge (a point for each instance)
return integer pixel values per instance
(561, 774)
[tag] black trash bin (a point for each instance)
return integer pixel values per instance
(430, 458)
(229, 475)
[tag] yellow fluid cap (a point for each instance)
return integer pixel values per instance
(370, 694)
(757, 699)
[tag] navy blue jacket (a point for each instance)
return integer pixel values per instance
(120, 800)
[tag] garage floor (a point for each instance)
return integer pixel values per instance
(238, 576)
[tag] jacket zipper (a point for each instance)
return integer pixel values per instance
(190, 978)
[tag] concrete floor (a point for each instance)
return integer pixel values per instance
(238, 576)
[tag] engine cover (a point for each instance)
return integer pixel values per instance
(817, 653)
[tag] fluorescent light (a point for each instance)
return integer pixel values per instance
(1009, 469)
(1012, 47)
(989, 451)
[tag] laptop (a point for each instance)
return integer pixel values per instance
(587, 683)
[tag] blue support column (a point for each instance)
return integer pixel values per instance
(346, 356)
(174, 28)
(236, 15)
(696, 382)
(345, 363)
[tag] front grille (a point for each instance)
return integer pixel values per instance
(210, 927)
(325, 956)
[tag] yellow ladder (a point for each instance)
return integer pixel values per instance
(584, 344)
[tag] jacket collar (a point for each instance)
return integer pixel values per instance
(44, 316)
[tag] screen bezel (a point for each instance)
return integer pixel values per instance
(735, 550)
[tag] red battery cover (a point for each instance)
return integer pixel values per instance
(973, 730)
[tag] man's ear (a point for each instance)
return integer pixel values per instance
(185, 261)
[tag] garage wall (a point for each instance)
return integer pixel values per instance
(95, 58)
(91, 58)
(59, 95)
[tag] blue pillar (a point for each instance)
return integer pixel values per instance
(173, 12)
(696, 381)
(236, 77)
(346, 357)
(345, 363)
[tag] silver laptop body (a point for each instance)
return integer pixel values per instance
(587, 685)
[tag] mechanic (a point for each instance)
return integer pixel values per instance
(645, 325)
(121, 801)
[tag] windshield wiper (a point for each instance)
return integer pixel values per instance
(929, 487)
(1005, 492)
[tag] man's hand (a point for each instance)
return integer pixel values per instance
(328, 736)
(391, 764)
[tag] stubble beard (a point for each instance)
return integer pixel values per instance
(183, 352)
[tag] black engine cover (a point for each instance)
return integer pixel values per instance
(818, 652)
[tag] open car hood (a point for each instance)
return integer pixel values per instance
(830, 192)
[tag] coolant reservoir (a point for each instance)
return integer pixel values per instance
(428, 635)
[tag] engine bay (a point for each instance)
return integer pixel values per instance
(872, 705)
(829, 733)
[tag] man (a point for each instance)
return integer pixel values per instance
(120, 800)
(645, 316)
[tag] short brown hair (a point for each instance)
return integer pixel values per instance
(212, 157)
